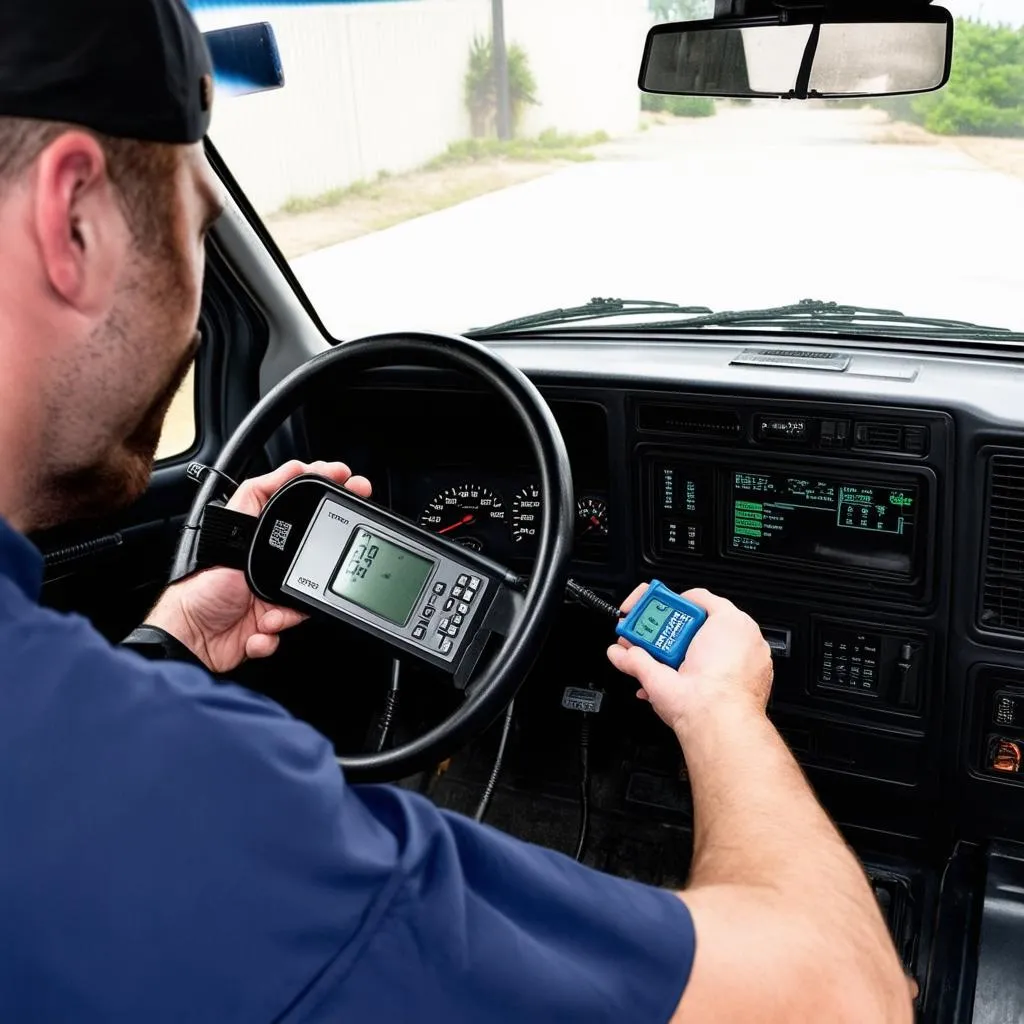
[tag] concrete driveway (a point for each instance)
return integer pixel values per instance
(756, 206)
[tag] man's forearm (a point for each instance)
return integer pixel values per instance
(756, 817)
(758, 824)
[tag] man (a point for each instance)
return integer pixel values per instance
(180, 850)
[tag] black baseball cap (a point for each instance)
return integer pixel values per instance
(134, 69)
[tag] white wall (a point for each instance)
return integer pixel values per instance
(585, 55)
(379, 87)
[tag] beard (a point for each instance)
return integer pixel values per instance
(121, 476)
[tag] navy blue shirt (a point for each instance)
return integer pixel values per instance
(180, 850)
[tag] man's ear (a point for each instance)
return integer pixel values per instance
(79, 224)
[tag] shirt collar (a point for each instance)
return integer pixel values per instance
(21, 562)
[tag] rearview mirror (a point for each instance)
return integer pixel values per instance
(801, 55)
(245, 58)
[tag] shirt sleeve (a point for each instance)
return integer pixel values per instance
(484, 927)
(183, 850)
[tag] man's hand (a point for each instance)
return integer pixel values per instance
(728, 662)
(214, 613)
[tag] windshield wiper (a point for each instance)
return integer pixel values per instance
(596, 307)
(814, 315)
(811, 315)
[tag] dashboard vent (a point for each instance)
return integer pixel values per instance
(886, 437)
(1002, 599)
(685, 420)
(911, 438)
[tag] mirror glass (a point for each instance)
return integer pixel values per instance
(849, 59)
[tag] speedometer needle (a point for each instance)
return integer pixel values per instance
(464, 521)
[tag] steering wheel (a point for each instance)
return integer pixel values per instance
(496, 684)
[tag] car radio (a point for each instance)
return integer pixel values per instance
(862, 527)
(808, 517)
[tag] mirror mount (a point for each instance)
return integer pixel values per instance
(866, 11)
(725, 9)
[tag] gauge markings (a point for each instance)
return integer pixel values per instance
(591, 518)
(526, 513)
(467, 513)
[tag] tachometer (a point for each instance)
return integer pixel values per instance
(526, 508)
(591, 518)
(469, 514)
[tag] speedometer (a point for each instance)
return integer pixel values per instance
(469, 514)
(526, 510)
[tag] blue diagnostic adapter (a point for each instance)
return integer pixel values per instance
(662, 623)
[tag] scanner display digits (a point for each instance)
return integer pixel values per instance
(381, 576)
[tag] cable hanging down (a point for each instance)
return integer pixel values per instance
(581, 836)
(390, 703)
(499, 757)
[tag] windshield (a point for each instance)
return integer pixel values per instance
(379, 171)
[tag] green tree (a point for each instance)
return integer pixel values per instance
(985, 92)
(682, 10)
(481, 93)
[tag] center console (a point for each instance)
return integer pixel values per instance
(827, 526)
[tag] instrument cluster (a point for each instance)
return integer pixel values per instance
(501, 518)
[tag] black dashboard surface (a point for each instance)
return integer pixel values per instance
(859, 516)
(872, 522)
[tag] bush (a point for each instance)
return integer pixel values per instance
(691, 106)
(985, 92)
(481, 92)
(678, 106)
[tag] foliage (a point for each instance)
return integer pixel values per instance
(549, 145)
(678, 106)
(985, 92)
(480, 87)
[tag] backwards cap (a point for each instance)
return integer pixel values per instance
(134, 69)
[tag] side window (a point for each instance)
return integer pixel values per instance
(179, 433)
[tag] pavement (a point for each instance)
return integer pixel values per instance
(757, 206)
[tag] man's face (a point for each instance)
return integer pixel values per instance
(119, 383)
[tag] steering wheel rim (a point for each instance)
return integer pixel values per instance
(492, 689)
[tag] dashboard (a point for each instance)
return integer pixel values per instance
(872, 522)
(870, 519)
